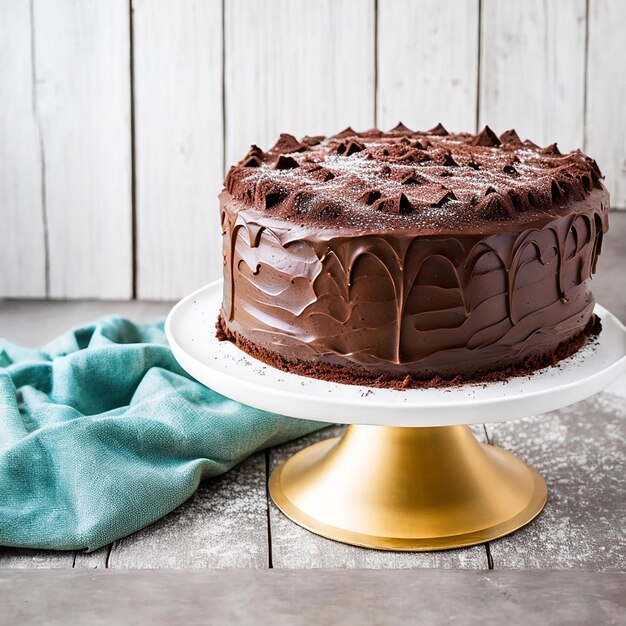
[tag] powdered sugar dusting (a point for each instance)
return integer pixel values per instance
(431, 180)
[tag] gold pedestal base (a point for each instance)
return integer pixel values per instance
(411, 489)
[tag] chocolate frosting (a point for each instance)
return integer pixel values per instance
(433, 180)
(356, 258)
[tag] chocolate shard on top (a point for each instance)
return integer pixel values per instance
(286, 144)
(349, 147)
(551, 150)
(300, 201)
(492, 208)
(312, 141)
(448, 159)
(421, 156)
(409, 178)
(370, 196)
(445, 196)
(253, 158)
(397, 204)
(594, 166)
(268, 194)
(412, 155)
(436, 195)
(252, 161)
(511, 138)
(286, 163)
(231, 180)
(319, 172)
(438, 130)
(346, 132)
(401, 128)
(486, 137)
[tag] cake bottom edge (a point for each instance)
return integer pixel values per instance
(354, 375)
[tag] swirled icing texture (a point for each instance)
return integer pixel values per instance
(414, 294)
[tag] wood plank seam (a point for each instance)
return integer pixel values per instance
(606, 90)
(489, 557)
(478, 67)
(223, 61)
(490, 442)
(487, 437)
(107, 560)
(586, 78)
(375, 94)
(270, 562)
(133, 150)
(42, 150)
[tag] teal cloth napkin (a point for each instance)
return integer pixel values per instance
(102, 433)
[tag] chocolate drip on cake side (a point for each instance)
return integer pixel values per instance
(401, 261)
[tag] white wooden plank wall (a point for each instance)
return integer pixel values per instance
(427, 63)
(22, 237)
(297, 66)
(178, 144)
(533, 69)
(82, 61)
(606, 93)
(118, 117)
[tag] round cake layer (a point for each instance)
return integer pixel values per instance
(456, 291)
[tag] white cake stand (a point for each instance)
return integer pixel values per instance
(385, 483)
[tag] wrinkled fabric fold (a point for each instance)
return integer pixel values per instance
(102, 433)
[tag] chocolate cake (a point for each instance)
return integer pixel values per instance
(408, 258)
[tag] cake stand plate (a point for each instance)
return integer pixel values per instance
(385, 483)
